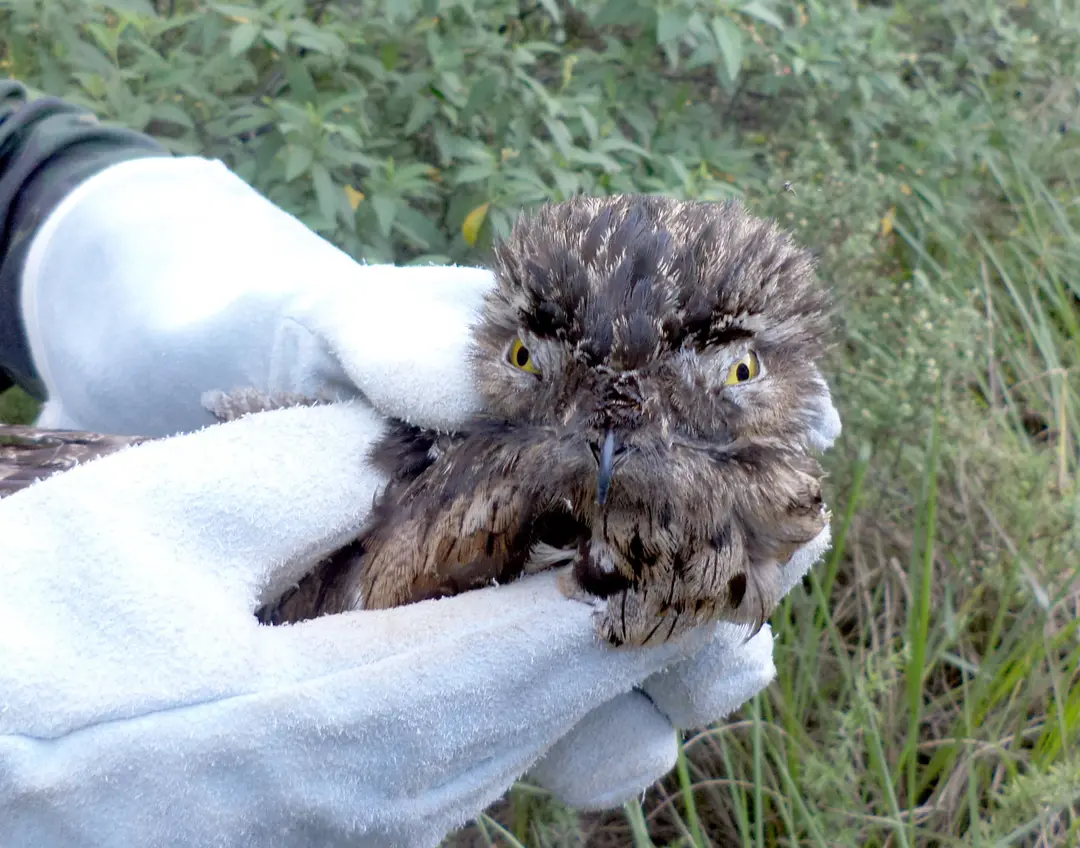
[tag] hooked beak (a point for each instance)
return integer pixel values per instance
(605, 461)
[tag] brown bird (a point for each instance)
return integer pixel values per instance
(647, 368)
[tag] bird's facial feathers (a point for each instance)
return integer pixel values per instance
(669, 296)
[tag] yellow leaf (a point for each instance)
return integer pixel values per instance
(906, 189)
(473, 222)
(887, 221)
(353, 196)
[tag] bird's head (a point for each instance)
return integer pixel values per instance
(635, 323)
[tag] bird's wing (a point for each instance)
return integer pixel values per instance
(29, 454)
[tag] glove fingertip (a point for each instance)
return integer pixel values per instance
(715, 683)
(596, 766)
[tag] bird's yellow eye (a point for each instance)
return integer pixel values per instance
(521, 358)
(745, 369)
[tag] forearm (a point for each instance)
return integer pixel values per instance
(47, 149)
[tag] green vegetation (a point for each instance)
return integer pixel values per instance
(928, 676)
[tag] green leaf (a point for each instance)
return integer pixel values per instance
(482, 94)
(139, 7)
(105, 38)
(385, 211)
(277, 39)
(354, 157)
(245, 119)
(242, 38)
(865, 88)
(757, 9)
(173, 114)
(501, 221)
(560, 135)
(730, 41)
(389, 54)
(413, 176)
(706, 53)
(612, 12)
(423, 109)
(370, 65)
(419, 228)
(328, 197)
(670, 25)
(297, 162)
(474, 173)
(588, 120)
(567, 182)
(300, 81)
(618, 142)
(528, 177)
(94, 60)
(680, 170)
(320, 42)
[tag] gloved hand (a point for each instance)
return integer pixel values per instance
(160, 279)
(141, 703)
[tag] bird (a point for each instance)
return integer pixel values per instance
(647, 368)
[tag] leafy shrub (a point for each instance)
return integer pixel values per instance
(386, 126)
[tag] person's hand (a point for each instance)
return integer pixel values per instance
(142, 704)
(160, 279)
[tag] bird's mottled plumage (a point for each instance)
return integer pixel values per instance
(648, 372)
(633, 311)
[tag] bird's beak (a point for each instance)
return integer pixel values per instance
(606, 465)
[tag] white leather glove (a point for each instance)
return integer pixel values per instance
(159, 279)
(139, 701)
(142, 704)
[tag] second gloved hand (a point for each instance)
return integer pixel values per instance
(134, 308)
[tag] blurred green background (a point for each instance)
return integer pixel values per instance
(927, 675)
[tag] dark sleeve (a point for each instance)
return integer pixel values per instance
(47, 148)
